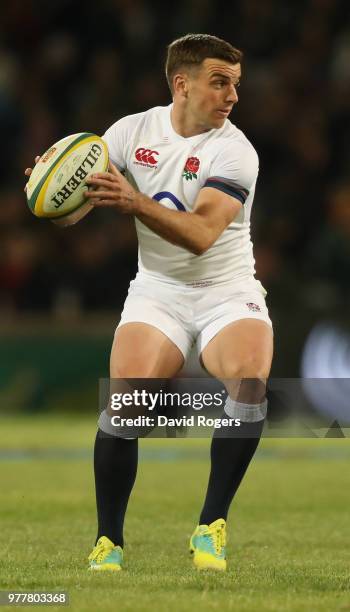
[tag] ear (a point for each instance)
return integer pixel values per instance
(180, 84)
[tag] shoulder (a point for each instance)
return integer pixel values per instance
(235, 153)
(128, 130)
(236, 145)
(134, 121)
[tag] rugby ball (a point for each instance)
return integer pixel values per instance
(56, 187)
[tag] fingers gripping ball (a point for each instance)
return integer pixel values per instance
(56, 187)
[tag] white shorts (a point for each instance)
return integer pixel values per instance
(188, 314)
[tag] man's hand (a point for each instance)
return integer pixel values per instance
(111, 189)
(28, 171)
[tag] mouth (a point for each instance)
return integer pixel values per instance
(223, 112)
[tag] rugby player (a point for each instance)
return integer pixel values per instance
(188, 176)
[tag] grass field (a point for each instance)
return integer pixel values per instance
(288, 547)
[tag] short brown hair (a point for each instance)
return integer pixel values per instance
(191, 50)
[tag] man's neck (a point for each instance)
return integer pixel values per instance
(185, 125)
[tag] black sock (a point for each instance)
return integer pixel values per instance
(230, 458)
(115, 463)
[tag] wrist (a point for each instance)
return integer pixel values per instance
(131, 201)
(141, 203)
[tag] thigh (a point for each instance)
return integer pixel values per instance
(139, 351)
(142, 351)
(154, 315)
(242, 349)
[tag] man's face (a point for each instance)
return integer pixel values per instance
(212, 92)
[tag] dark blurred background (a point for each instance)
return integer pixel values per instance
(68, 67)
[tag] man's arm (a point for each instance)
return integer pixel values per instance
(195, 231)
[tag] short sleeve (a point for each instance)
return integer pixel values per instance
(115, 137)
(234, 170)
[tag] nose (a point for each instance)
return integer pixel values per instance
(232, 96)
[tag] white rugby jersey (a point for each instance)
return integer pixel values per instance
(172, 169)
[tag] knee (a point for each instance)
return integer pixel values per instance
(247, 382)
(251, 368)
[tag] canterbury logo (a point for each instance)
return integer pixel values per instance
(146, 156)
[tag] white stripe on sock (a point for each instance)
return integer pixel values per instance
(105, 424)
(247, 413)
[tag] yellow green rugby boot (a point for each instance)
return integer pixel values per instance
(106, 556)
(207, 545)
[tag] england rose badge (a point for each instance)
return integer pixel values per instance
(191, 168)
